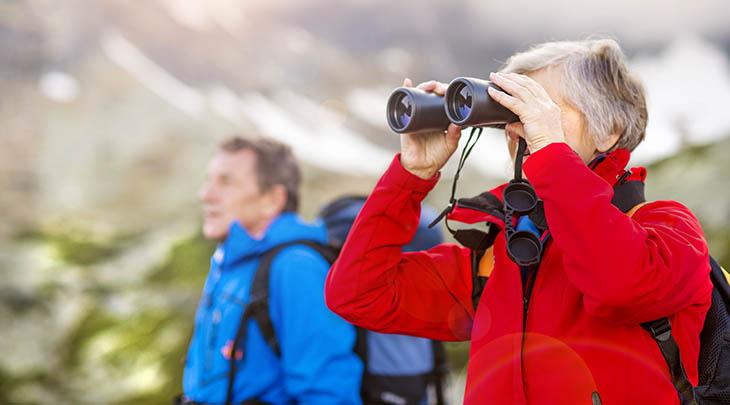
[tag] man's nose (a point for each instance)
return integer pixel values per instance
(205, 194)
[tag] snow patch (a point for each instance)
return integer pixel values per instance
(181, 96)
(59, 86)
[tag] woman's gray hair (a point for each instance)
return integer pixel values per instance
(596, 81)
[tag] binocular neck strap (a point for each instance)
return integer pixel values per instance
(464, 155)
(468, 147)
(521, 148)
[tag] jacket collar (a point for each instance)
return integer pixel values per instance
(609, 166)
(240, 244)
(612, 167)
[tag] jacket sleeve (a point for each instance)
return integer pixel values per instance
(376, 286)
(317, 359)
(643, 268)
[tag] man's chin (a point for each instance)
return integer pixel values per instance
(214, 233)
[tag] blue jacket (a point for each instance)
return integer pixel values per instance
(317, 364)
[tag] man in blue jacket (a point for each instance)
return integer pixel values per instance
(250, 199)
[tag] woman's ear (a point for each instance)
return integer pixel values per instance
(608, 143)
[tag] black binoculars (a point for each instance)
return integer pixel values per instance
(466, 103)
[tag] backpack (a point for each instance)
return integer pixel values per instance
(714, 356)
(386, 358)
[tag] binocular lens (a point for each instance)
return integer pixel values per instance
(524, 248)
(411, 110)
(462, 101)
(403, 110)
(468, 104)
(520, 197)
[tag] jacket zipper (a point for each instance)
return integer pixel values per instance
(526, 294)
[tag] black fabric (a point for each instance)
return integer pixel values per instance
(628, 194)
(397, 390)
(714, 359)
(440, 371)
(719, 281)
(476, 239)
(537, 216)
(484, 202)
(477, 282)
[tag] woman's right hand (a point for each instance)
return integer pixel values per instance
(425, 154)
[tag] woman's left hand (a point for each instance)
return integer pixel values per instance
(538, 113)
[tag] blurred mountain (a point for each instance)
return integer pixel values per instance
(115, 106)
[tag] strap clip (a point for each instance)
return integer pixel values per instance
(660, 329)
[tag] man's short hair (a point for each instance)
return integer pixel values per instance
(275, 165)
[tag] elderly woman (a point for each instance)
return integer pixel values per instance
(567, 331)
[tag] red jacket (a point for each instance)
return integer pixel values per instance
(602, 274)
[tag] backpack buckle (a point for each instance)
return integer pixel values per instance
(660, 329)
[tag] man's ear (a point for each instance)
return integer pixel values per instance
(274, 200)
(607, 143)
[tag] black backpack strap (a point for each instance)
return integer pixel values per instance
(258, 305)
(629, 195)
(661, 331)
(477, 282)
(440, 370)
(719, 281)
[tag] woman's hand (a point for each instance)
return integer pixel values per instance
(538, 113)
(425, 154)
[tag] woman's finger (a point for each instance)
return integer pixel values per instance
(530, 84)
(524, 81)
(407, 82)
(515, 89)
(512, 103)
(453, 133)
(427, 86)
(440, 88)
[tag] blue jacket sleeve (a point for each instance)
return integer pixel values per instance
(318, 362)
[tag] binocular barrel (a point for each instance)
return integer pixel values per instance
(467, 103)
(412, 110)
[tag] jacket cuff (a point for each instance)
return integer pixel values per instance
(397, 174)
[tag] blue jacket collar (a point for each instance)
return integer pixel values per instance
(287, 227)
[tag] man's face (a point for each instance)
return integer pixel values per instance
(231, 193)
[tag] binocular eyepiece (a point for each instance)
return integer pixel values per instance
(466, 103)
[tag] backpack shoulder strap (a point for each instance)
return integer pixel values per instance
(258, 304)
(661, 330)
(720, 280)
(440, 370)
(478, 277)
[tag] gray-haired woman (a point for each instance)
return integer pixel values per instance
(567, 331)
